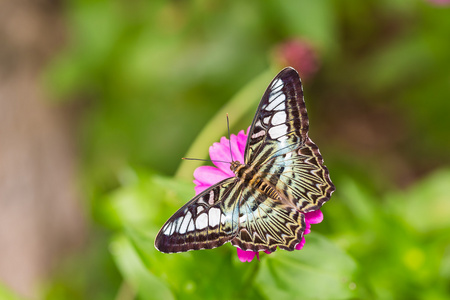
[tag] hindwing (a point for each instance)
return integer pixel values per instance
(265, 223)
(300, 177)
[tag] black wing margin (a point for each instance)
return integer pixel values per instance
(281, 121)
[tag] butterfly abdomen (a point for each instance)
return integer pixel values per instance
(259, 184)
(250, 177)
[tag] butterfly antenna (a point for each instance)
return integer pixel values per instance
(229, 137)
(188, 158)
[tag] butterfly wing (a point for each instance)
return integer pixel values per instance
(265, 223)
(208, 221)
(281, 122)
(279, 146)
(300, 177)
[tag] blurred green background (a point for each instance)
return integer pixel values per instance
(147, 77)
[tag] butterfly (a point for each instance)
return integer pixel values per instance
(262, 207)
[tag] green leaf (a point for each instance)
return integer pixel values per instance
(195, 274)
(147, 201)
(146, 284)
(7, 294)
(142, 207)
(311, 19)
(319, 271)
(425, 206)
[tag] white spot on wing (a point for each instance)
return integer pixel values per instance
(166, 229)
(278, 131)
(282, 138)
(172, 229)
(211, 198)
(274, 102)
(185, 223)
(225, 218)
(258, 134)
(200, 209)
(201, 221)
(279, 118)
(191, 226)
(178, 223)
(214, 217)
(277, 85)
(266, 120)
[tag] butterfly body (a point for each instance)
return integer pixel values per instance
(281, 178)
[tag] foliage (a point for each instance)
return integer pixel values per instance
(200, 274)
(6, 294)
(148, 75)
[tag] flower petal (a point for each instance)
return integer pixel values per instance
(242, 141)
(209, 175)
(246, 255)
(238, 143)
(307, 229)
(300, 245)
(235, 149)
(200, 187)
(314, 217)
(221, 151)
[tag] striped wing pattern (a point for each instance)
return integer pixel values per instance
(265, 223)
(300, 177)
(207, 221)
(263, 206)
(281, 121)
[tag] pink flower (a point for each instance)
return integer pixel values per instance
(207, 176)
(440, 2)
(299, 54)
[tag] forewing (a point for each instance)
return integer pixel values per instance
(207, 221)
(265, 223)
(281, 122)
(300, 177)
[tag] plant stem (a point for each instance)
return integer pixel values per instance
(237, 107)
(126, 292)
